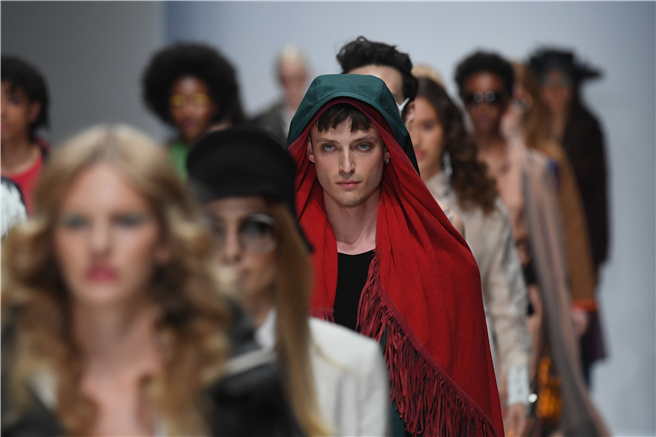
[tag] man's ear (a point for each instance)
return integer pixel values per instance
(409, 114)
(310, 150)
(35, 111)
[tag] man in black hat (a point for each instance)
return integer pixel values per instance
(337, 381)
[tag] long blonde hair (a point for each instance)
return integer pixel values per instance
(293, 340)
(192, 320)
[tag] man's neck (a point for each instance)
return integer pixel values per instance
(354, 227)
(18, 155)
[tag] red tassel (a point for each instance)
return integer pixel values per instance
(427, 401)
(325, 314)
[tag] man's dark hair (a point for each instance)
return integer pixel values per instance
(489, 62)
(197, 60)
(337, 114)
(362, 52)
(22, 75)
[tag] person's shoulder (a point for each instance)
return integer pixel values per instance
(249, 397)
(272, 111)
(342, 344)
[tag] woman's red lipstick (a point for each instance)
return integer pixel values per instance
(101, 274)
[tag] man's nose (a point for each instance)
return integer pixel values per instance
(346, 162)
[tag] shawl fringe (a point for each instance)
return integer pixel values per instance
(427, 400)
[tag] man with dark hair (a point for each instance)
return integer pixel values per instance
(387, 262)
(25, 109)
(485, 84)
(193, 88)
(384, 61)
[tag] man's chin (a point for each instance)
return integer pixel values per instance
(350, 201)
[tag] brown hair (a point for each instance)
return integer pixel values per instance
(536, 117)
(293, 339)
(192, 318)
(469, 179)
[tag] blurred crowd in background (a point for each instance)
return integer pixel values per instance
(516, 160)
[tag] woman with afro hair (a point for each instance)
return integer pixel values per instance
(193, 88)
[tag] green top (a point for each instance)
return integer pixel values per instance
(178, 154)
(367, 89)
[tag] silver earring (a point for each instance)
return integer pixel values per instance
(387, 161)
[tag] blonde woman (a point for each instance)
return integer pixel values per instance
(112, 324)
(337, 381)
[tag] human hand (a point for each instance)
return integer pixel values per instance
(514, 420)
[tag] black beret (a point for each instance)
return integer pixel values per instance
(239, 162)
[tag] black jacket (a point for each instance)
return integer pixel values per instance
(248, 400)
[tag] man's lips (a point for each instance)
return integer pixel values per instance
(348, 183)
(101, 274)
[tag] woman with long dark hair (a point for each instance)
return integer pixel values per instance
(337, 381)
(448, 163)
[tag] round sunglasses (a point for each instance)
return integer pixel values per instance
(491, 97)
(256, 232)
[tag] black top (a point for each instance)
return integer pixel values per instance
(352, 272)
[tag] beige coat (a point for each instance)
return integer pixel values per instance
(577, 242)
(548, 250)
(504, 292)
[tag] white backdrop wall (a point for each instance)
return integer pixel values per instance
(617, 37)
(92, 55)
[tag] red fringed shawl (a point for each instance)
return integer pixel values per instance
(423, 289)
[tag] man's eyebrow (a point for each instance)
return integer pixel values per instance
(326, 140)
(366, 137)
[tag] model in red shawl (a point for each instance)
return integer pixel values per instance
(423, 293)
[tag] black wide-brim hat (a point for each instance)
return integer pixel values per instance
(242, 162)
(546, 59)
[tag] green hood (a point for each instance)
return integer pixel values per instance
(367, 89)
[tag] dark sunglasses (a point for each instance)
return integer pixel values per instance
(256, 232)
(491, 97)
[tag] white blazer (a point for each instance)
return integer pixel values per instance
(350, 376)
